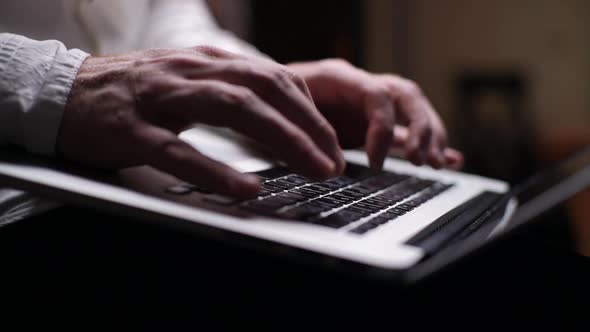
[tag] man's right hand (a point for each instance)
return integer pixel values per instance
(128, 110)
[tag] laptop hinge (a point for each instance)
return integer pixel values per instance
(467, 216)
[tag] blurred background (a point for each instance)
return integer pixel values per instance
(511, 79)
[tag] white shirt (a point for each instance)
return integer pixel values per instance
(36, 74)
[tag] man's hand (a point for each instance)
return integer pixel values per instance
(127, 110)
(367, 109)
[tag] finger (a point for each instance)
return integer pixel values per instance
(453, 158)
(413, 106)
(284, 93)
(221, 104)
(380, 112)
(166, 152)
(438, 142)
(400, 137)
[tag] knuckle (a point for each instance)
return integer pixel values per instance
(442, 138)
(382, 118)
(268, 78)
(120, 122)
(155, 53)
(241, 97)
(148, 89)
(281, 78)
(210, 51)
(240, 69)
(180, 60)
(412, 89)
(141, 62)
(336, 63)
(298, 80)
(171, 147)
(413, 148)
(423, 129)
(379, 92)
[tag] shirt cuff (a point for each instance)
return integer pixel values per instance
(43, 121)
(37, 77)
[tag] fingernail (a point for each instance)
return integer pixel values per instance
(328, 166)
(251, 185)
(332, 167)
(441, 159)
(340, 162)
(252, 180)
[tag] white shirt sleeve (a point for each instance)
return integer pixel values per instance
(35, 81)
(185, 23)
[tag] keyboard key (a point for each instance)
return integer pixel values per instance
(180, 189)
(343, 200)
(221, 200)
(379, 182)
(321, 207)
(352, 194)
(381, 219)
(359, 230)
(339, 219)
(376, 202)
(362, 229)
(265, 205)
(370, 207)
(361, 190)
(384, 200)
(330, 200)
(270, 186)
(305, 192)
(295, 180)
(394, 213)
(403, 208)
(284, 184)
(343, 180)
(264, 192)
(318, 189)
(273, 173)
(330, 186)
(295, 197)
(324, 204)
(301, 213)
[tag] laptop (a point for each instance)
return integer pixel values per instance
(405, 221)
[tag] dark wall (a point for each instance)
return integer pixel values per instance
(308, 30)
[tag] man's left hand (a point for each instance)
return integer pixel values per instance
(379, 111)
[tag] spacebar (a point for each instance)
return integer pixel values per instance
(445, 228)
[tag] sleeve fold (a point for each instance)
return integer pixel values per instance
(35, 80)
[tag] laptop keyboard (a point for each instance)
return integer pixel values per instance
(359, 201)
